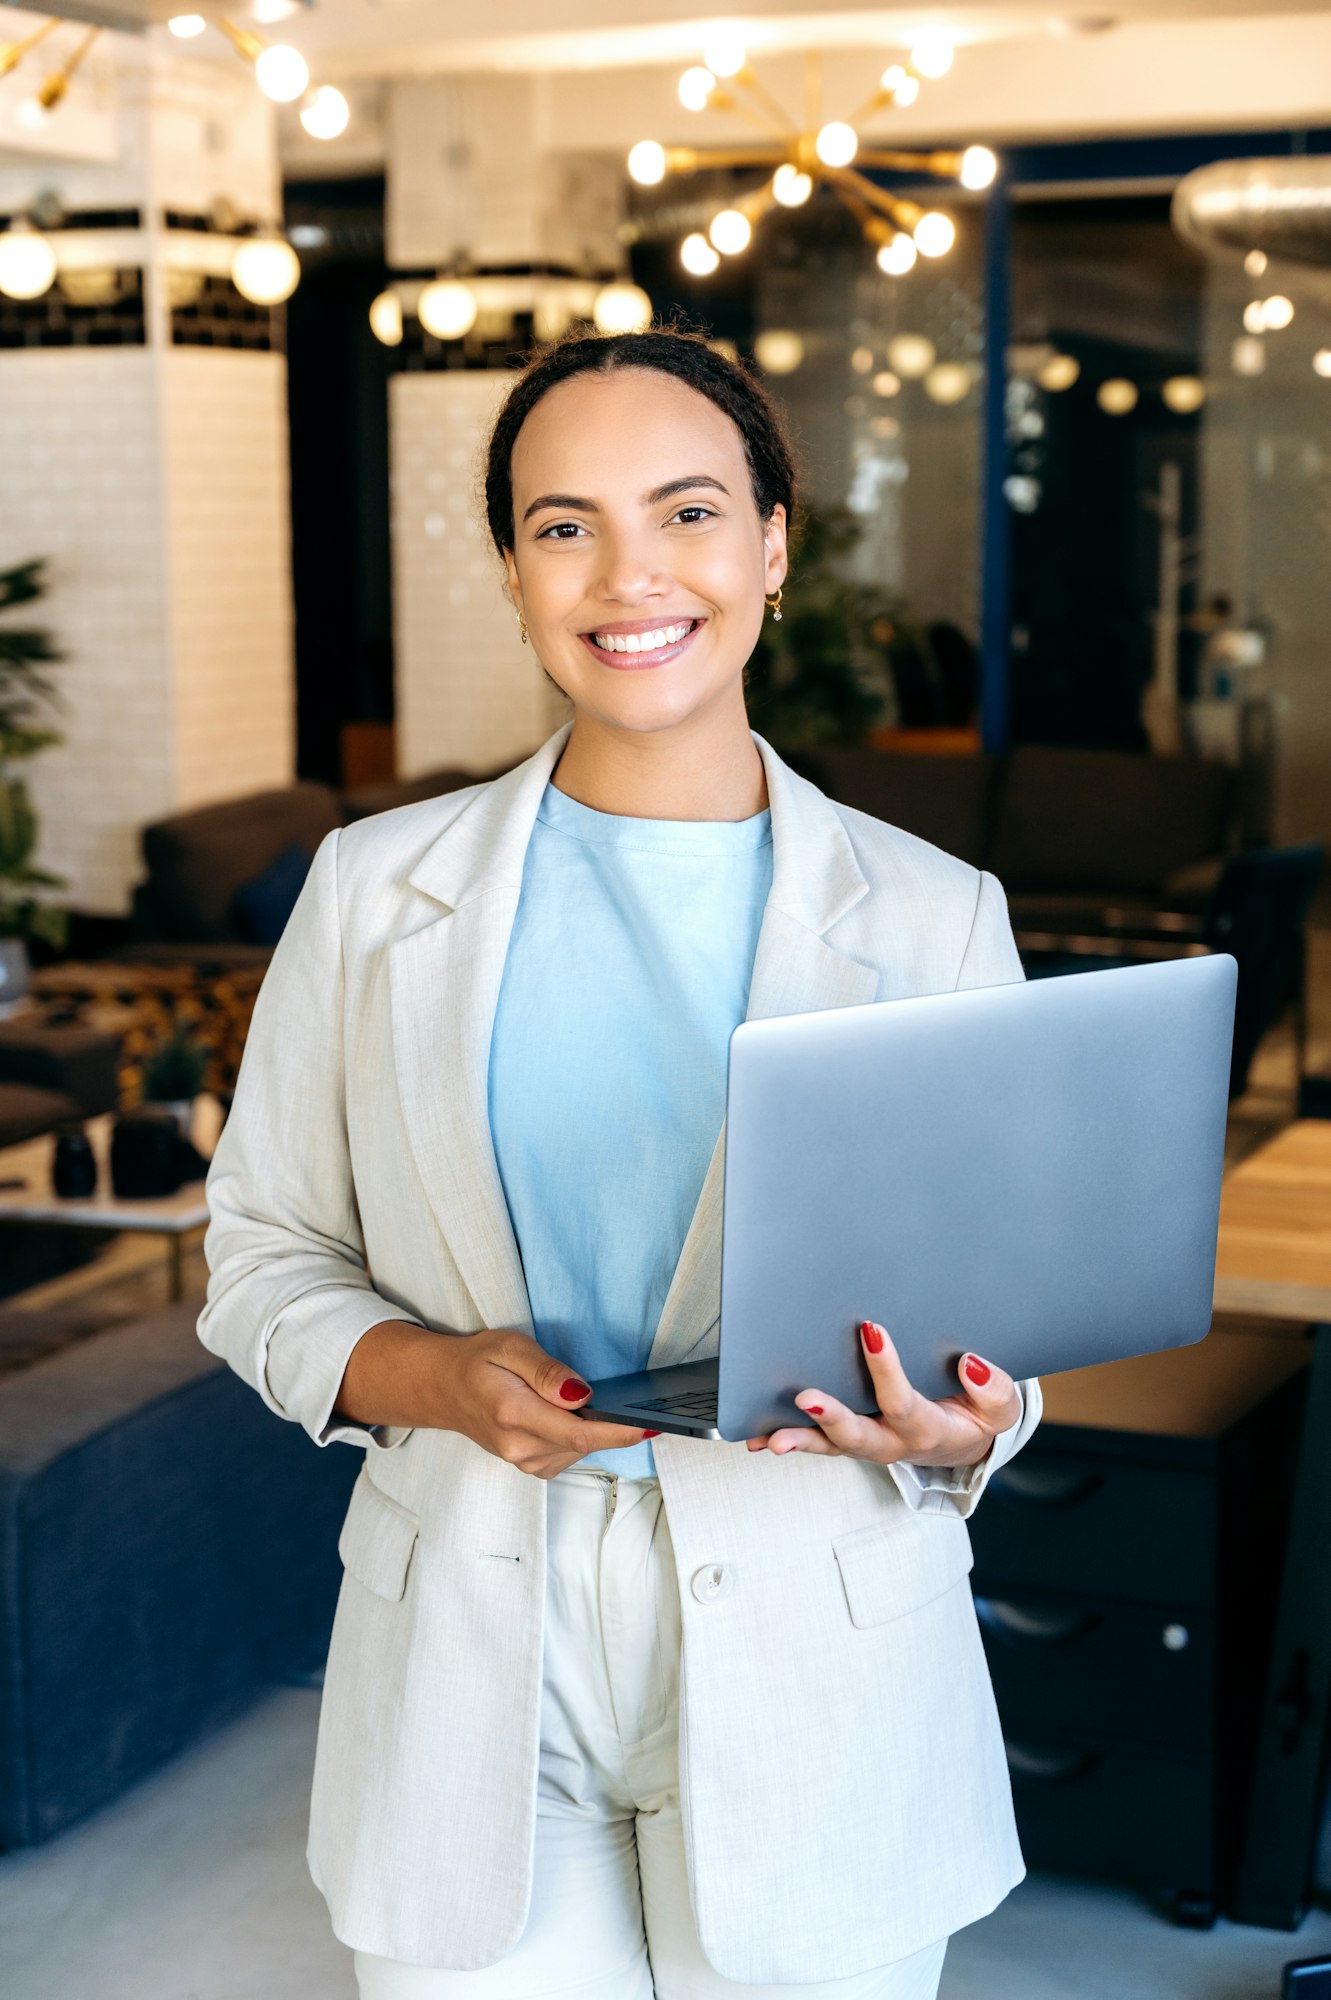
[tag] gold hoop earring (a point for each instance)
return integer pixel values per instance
(774, 605)
(522, 628)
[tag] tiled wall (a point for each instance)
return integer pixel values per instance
(468, 692)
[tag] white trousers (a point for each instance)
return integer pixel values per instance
(610, 1916)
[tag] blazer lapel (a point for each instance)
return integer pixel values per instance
(444, 980)
(815, 880)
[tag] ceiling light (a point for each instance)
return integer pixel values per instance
(695, 88)
(447, 308)
(912, 355)
(268, 11)
(933, 52)
(1322, 363)
(948, 382)
(897, 256)
(1117, 396)
(1255, 263)
(265, 270)
(885, 383)
(325, 113)
(1059, 372)
(934, 233)
(32, 114)
(697, 255)
(861, 359)
(27, 262)
(647, 162)
(978, 167)
(791, 187)
(836, 144)
(1183, 394)
(778, 352)
(621, 308)
(282, 73)
(1247, 356)
(1277, 311)
(187, 26)
(1254, 316)
(724, 53)
(386, 319)
(730, 231)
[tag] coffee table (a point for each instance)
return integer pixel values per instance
(174, 1216)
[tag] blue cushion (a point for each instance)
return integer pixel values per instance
(264, 903)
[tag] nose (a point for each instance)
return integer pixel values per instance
(628, 573)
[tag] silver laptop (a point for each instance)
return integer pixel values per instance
(1028, 1172)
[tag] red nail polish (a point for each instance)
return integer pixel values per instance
(571, 1389)
(871, 1337)
(814, 1409)
(651, 1434)
(977, 1370)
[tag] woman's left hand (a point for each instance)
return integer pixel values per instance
(958, 1430)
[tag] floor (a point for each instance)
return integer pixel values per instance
(194, 1887)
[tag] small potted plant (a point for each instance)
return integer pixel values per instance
(173, 1075)
(27, 695)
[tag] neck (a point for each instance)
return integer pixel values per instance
(707, 768)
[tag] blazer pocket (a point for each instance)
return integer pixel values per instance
(377, 1539)
(893, 1567)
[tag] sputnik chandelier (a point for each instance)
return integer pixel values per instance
(816, 152)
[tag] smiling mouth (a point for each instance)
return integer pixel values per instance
(626, 650)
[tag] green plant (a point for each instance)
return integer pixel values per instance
(824, 674)
(176, 1067)
(27, 695)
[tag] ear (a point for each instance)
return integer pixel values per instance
(514, 586)
(774, 548)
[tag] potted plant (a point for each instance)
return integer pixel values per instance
(173, 1075)
(27, 695)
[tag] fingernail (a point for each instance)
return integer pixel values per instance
(977, 1370)
(651, 1434)
(872, 1337)
(571, 1389)
(814, 1409)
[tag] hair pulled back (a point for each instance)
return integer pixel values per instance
(670, 351)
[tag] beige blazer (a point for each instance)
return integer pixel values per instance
(844, 1788)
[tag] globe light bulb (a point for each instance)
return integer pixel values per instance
(1117, 396)
(447, 308)
(621, 308)
(268, 11)
(386, 319)
(696, 87)
(948, 382)
(27, 262)
(1183, 394)
(325, 114)
(935, 233)
(282, 73)
(1248, 355)
(1255, 263)
(186, 26)
(730, 231)
(933, 52)
(1322, 363)
(898, 256)
(837, 143)
(265, 270)
(791, 187)
(697, 255)
(886, 383)
(32, 114)
(647, 162)
(1277, 311)
(724, 53)
(1059, 372)
(911, 355)
(778, 351)
(861, 359)
(978, 167)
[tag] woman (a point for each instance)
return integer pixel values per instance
(482, 1096)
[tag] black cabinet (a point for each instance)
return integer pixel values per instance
(1125, 1582)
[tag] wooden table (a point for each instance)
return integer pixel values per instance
(1274, 1262)
(174, 1216)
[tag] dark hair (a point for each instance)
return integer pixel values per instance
(670, 351)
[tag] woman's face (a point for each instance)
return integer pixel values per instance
(640, 561)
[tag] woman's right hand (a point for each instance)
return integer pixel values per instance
(497, 1387)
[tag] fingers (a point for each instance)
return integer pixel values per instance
(553, 1380)
(896, 1398)
(990, 1393)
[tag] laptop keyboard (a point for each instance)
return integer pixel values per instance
(685, 1403)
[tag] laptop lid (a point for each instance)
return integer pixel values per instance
(1030, 1172)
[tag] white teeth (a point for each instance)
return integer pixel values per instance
(641, 642)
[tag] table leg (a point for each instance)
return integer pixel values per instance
(1279, 1843)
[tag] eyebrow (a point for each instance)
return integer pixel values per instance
(658, 493)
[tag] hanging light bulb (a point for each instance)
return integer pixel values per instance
(933, 52)
(325, 114)
(934, 233)
(386, 319)
(899, 84)
(897, 256)
(730, 231)
(27, 262)
(1254, 317)
(1247, 356)
(978, 167)
(778, 351)
(1059, 372)
(724, 53)
(186, 26)
(697, 255)
(791, 187)
(265, 270)
(1183, 394)
(837, 143)
(447, 308)
(886, 383)
(1117, 396)
(621, 308)
(695, 88)
(1322, 363)
(1255, 263)
(32, 114)
(282, 73)
(948, 382)
(647, 162)
(911, 355)
(1277, 311)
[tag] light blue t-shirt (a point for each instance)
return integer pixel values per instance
(627, 969)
